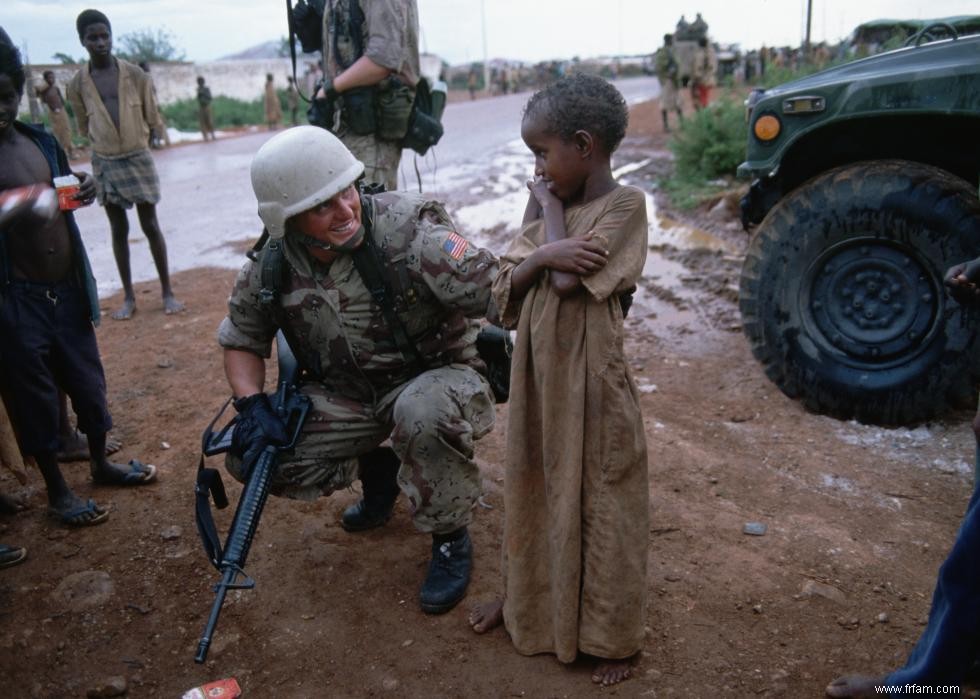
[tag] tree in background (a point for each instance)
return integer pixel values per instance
(65, 60)
(152, 46)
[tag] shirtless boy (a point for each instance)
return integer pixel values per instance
(50, 94)
(114, 106)
(48, 305)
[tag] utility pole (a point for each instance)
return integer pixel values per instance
(486, 58)
(806, 42)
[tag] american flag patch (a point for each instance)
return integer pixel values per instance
(455, 246)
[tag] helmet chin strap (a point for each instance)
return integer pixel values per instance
(350, 245)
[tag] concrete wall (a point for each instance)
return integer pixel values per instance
(244, 80)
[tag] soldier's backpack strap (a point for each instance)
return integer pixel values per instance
(369, 264)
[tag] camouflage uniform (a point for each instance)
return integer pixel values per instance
(362, 389)
(667, 73)
(390, 38)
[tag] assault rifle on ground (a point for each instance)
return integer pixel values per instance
(292, 408)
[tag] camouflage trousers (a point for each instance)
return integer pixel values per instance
(432, 421)
(381, 158)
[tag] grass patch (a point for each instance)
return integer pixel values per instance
(226, 112)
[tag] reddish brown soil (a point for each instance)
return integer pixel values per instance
(858, 520)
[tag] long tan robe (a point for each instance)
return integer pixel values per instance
(576, 497)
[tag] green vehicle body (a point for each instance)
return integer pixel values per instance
(864, 198)
(919, 103)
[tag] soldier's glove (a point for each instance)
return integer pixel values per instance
(306, 22)
(257, 427)
(321, 111)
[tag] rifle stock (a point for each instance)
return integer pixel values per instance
(292, 408)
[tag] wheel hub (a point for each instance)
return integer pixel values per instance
(872, 300)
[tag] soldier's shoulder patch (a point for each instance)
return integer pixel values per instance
(455, 245)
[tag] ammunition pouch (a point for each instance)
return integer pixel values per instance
(396, 101)
(359, 110)
(424, 124)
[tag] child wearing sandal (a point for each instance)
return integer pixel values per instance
(48, 305)
(576, 488)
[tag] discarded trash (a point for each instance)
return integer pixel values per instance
(225, 689)
(754, 528)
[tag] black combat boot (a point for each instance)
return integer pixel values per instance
(449, 571)
(378, 471)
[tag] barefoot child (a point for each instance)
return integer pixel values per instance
(114, 106)
(575, 494)
(48, 304)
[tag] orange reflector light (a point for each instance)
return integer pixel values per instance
(766, 127)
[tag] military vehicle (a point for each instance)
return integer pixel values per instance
(865, 192)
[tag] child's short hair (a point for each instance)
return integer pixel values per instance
(11, 65)
(46, 73)
(89, 17)
(586, 102)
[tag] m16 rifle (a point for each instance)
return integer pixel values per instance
(292, 408)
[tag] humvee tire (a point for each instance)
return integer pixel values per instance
(842, 296)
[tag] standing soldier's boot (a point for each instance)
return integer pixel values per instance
(378, 471)
(663, 112)
(449, 571)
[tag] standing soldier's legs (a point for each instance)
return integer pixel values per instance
(380, 158)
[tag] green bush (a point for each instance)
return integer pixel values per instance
(707, 149)
(711, 142)
(227, 112)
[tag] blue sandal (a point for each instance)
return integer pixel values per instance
(75, 517)
(138, 474)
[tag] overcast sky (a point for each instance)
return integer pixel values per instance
(454, 29)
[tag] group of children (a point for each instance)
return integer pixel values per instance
(48, 300)
(576, 494)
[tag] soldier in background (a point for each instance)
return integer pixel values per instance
(703, 74)
(668, 74)
(292, 100)
(50, 94)
(205, 118)
(370, 57)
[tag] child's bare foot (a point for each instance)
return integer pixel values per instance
(171, 305)
(609, 672)
(127, 310)
(75, 448)
(487, 615)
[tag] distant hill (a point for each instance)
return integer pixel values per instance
(268, 49)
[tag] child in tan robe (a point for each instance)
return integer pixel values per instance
(576, 490)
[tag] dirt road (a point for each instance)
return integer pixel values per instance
(857, 520)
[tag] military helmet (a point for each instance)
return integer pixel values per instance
(297, 169)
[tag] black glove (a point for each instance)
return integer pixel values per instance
(321, 109)
(307, 23)
(257, 427)
(963, 282)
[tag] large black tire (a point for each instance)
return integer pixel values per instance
(842, 297)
